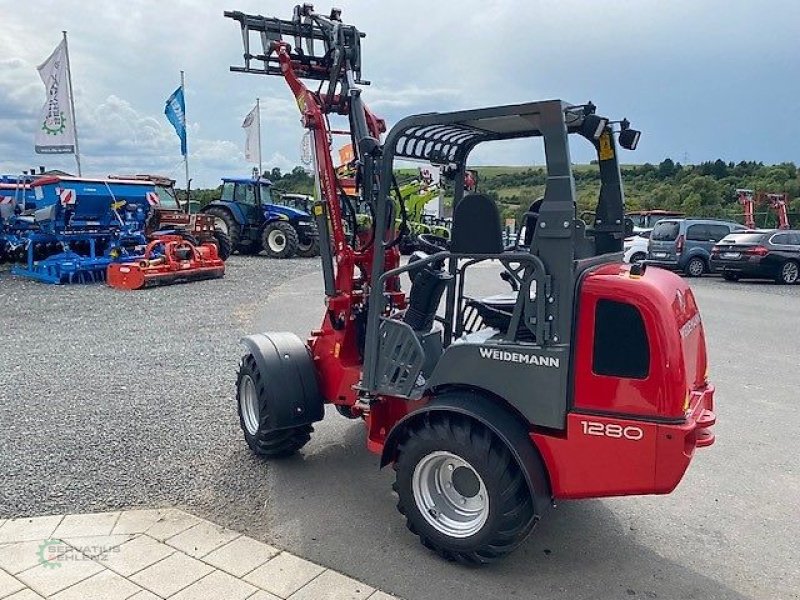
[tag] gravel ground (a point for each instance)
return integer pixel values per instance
(112, 399)
(115, 399)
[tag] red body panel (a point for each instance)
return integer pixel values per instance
(634, 436)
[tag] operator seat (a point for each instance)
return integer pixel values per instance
(477, 230)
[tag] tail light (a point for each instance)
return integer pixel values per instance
(758, 251)
(679, 245)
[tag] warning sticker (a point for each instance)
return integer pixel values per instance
(606, 151)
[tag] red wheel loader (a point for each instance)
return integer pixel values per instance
(586, 379)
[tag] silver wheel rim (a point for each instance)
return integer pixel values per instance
(248, 402)
(276, 240)
(696, 268)
(453, 501)
(790, 272)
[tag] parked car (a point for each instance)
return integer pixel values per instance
(773, 254)
(635, 246)
(685, 244)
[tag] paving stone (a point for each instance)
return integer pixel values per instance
(25, 594)
(202, 538)
(382, 596)
(284, 574)
(19, 556)
(137, 521)
(240, 556)
(98, 546)
(86, 525)
(8, 584)
(25, 529)
(172, 574)
(106, 585)
(214, 586)
(138, 554)
(333, 586)
(144, 595)
(47, 579)
(171, 523)
(262, 595)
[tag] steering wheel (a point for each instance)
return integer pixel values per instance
(431, 244)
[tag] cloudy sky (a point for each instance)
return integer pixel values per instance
(702, 78)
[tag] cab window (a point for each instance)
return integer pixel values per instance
(621, 348)
(227, 192)
(244, 194)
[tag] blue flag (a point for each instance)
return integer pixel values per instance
(176, 114)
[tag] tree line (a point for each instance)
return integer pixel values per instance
(707, 189)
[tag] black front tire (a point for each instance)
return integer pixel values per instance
(789, 273)
(279, 240)
(224, 246)
(511, 511)
(730, 276)
(270, 444)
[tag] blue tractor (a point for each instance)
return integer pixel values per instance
(254, 223)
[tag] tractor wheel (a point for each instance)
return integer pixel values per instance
(727, 276)
(279, 240)
(228, 225)
(695, 267)
(790, 273)
(252, 404)
(251, 249)
(223, 244)
(461, 491)
(310, 248)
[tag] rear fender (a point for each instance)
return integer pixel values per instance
(493, 414)
(291, 384)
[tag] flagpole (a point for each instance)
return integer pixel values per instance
(258, 113)
(186, 133)
(72, 105)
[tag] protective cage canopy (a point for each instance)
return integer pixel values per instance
(444, 138)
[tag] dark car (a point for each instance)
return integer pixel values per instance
(685, 244)
(773, 254)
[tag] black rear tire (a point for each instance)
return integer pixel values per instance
(279, 240)
(233, 230)
(270, 444)
(695, 267)
(510, 507)
(224, 246)
(730, 276)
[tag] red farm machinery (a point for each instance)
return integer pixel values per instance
(587, 379)
(777, 203)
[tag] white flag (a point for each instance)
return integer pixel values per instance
(55, 132)
(252, 127)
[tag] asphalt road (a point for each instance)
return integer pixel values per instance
(112, 400)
